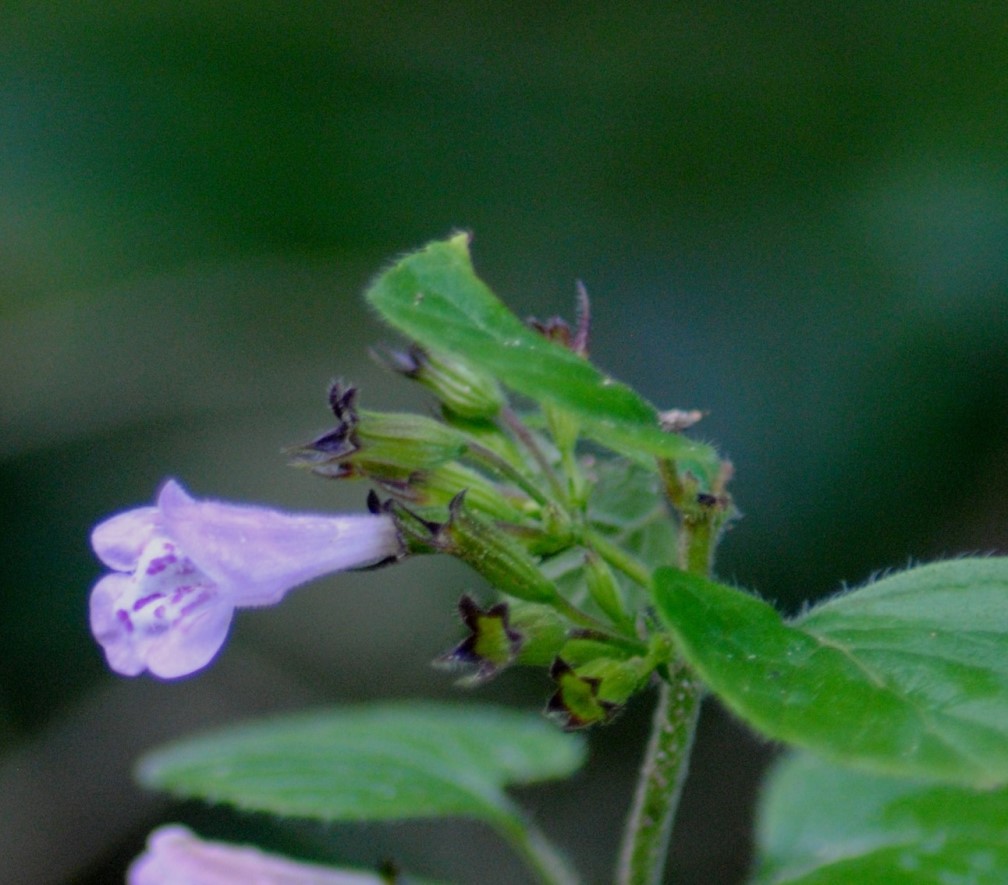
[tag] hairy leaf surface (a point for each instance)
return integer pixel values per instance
(908, 675)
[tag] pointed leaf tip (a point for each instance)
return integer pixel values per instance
(434, 297)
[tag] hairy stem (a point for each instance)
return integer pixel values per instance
(649, 827)
(645, 840)
(696, 545)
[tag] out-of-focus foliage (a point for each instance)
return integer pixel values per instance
(792, 217)
(823, 825)
(392, 762)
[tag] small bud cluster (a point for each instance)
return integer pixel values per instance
(513, 497)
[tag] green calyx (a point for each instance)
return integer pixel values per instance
(379, 445)
(604, 590)
(543, 632)
(406, 440)
(594, 693)
(461, 389)
(503, 634)
(438, 486)
(494, 554)
(594, 679)
(490, 646)
(477, 541)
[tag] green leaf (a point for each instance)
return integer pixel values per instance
(823, 825)
(628, 504)
(907, 676)
(391, 762)
(434, 297)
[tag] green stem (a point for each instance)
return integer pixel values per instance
(618, 558)
(696, 545)
(525, 437)
(649, 827)
(495, 462)
(645, 842)
(540, 855)
(606, 631)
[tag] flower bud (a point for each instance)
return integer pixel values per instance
(378, 445)
(543, 632)
(497, 556)
(604, 589)
(460, 387)
(441, 484)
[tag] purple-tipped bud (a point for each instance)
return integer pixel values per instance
(382, 446)
(461, 388)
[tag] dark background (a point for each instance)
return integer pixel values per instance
(792, 217)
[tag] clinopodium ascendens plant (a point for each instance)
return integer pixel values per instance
(595, 518)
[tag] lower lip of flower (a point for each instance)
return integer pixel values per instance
(168, 589)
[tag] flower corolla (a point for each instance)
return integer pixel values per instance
(175, 854)
(181, 567)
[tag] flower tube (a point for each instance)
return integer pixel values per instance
(175, 854)
(181, 568)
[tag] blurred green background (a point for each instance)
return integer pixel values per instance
(792, 216)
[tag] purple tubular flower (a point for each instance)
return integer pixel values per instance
(175, 854)
(182, 567)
